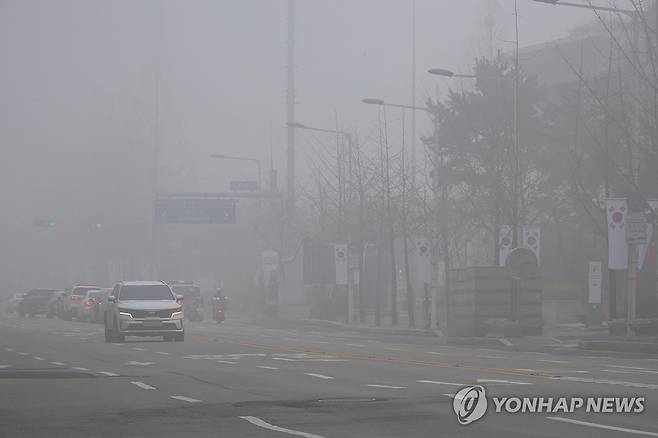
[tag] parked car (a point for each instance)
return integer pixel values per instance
(72, 304)
(89, 309)
(35, 302)
(12, 303)
(143, 308)
(193, 303)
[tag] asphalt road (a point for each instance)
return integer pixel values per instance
(60, 379)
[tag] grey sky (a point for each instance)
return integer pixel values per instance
(78, 76)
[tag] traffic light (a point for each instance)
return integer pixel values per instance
(92, 225)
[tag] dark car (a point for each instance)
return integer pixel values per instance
(55, 303)
(36, 302)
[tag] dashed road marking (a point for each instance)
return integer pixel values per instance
(284, 358)
(434, 382)
(265, 367)
(226, 361)
(617, 371)
(603, 426)
(80, 368)
(392, 349)
(9, 349)
(627, 368)
(387, 386)
(164, 353)
(437, 353)
(139, 349)
(139, 364)
(551, 361)
(38, 358)
(491, 357)
(108, 374)
(265, 425)
(58, 363)
(186, 399)
(5, 366)
(143, 385)
(320, 376)
(504, 382)
(356, 345)
(22, 353)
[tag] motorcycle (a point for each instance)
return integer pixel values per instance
(219, 309)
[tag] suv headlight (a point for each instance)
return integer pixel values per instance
(177, 313)
(125, 313)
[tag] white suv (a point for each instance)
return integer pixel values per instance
(143, 308)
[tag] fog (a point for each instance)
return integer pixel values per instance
(91, 88)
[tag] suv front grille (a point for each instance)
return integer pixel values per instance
(151, 313)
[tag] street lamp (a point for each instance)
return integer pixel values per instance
(632, 250)
(381, 102)
(341, 213)
(252, 160)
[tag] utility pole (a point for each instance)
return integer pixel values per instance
(290, 100)
(517, 180)
(413, 94)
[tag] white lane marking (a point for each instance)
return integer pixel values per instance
(551, 361)
(118, 345)
(290, 339)
(617, 371)
(434, 382)
(5, 366)
(607, 382)
(597, 357)
(139, 349)
(506, 342)
(491, 357)
(506, 382)
(143, 385)
(387, 386)
(437, 353)
(649, 372)
(265, 425)
(80, 368)
(22, 353)
(187, 399)
(139, 364)
(356, 345)
(58, 363)
(164, 353)
(38, 358)
(108, 373)
(529, 370)
(226, 361)
(392, 349)
(603, 426)
(627, 368)
(9, 349)
(265, 367)
(283, 358)
(84, 339)
(320, 376)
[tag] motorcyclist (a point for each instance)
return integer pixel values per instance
(219, 305)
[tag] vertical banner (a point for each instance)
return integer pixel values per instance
(617, 248)
(423, 262)
(595, 278)
(532, 239)
(504, 243)
(642, 249)
(340, 256)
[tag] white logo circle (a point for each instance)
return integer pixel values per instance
(470, 404)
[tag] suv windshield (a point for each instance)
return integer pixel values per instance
(145, 292)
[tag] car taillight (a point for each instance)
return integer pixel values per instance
(89, 302)
(75, 297)
(220, 311)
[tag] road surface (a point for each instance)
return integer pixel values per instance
(60, 379)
